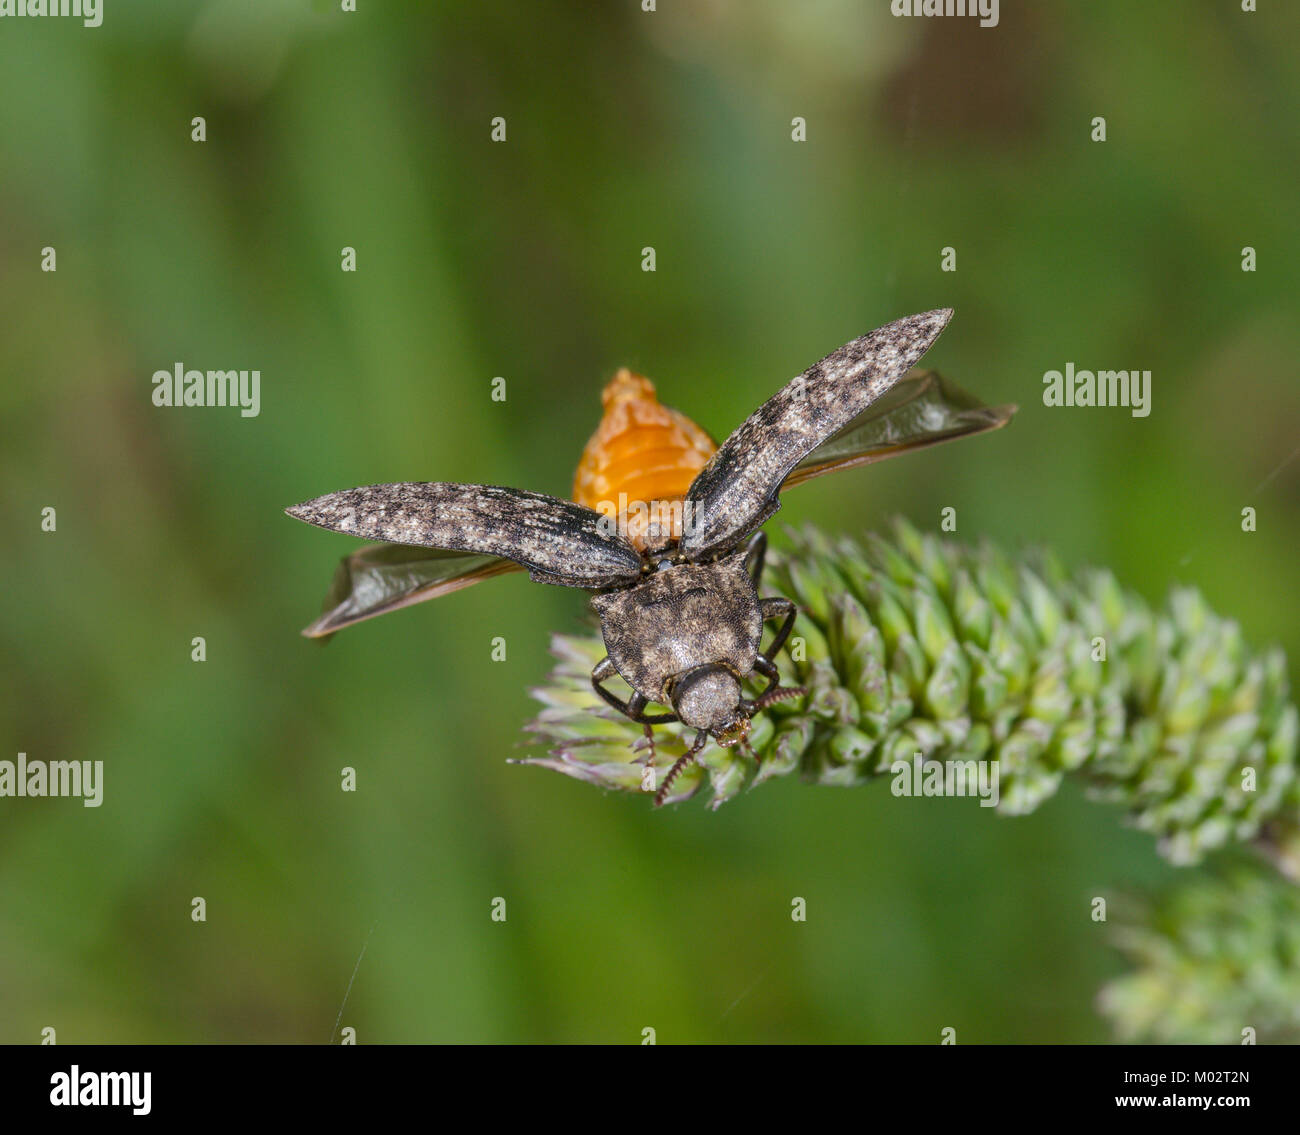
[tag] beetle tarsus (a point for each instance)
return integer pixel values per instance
(649, 757)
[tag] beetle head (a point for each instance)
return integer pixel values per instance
(709, 697)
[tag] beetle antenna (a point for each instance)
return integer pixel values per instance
(780, 693)
(686, 758)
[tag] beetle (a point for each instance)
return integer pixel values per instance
(676, 592)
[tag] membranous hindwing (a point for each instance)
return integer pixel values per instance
(680, 618)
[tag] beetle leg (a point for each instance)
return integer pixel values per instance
(679, 764)
(602, 672)
(755, 552)
(774, 609)
(649, 758)
(764, 665)
(635, 709)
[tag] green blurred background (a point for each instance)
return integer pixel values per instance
(523, 260)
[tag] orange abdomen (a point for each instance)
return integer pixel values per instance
(640, 461)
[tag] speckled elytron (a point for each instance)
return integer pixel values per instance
(677, 579)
